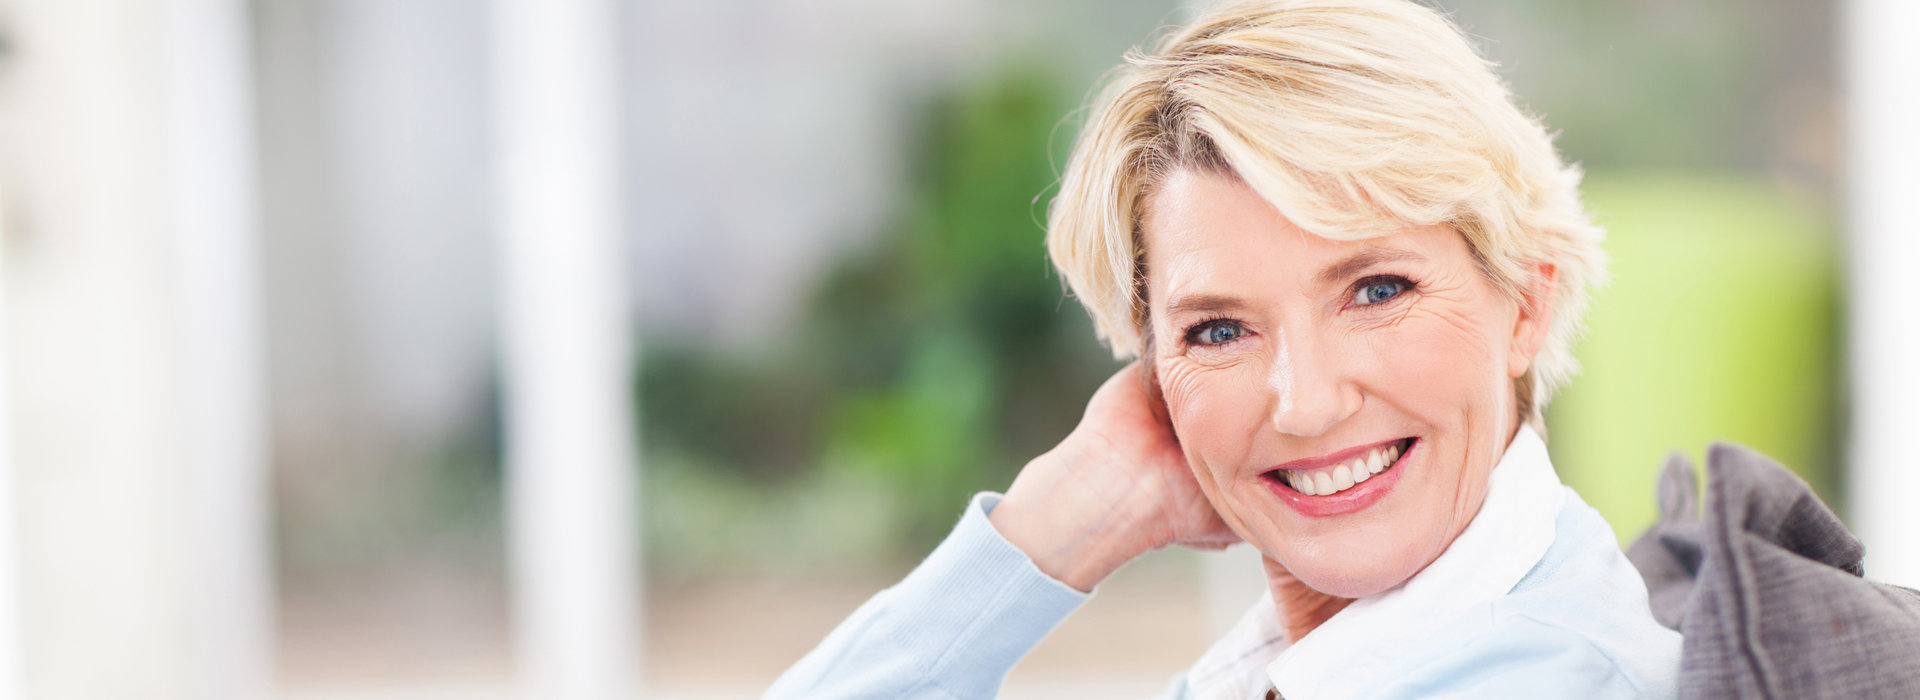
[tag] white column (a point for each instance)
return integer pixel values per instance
(1883, 105)
(570, 447)
(131, 352)
(10, 686)
(213, 198)
(91, 348)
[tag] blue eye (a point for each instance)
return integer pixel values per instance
(1377, 290)
(1216, 333)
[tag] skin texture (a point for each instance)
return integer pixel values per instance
(1267, 351)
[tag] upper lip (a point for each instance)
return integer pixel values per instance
(1340, 457)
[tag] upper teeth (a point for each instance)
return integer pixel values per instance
(1340, 477)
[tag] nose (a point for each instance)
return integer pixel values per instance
(1311, 388)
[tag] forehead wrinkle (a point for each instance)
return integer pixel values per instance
(1183, 268)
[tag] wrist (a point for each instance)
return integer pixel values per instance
(1072, 532)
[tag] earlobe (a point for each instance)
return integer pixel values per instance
(1534, 320)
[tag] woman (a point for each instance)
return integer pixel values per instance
(1352, 270)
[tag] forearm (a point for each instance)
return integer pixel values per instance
(952, 628)
(1073, 524)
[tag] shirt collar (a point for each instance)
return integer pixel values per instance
(1236, 665)
(1509, 535)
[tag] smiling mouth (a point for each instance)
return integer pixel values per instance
(1334, 478)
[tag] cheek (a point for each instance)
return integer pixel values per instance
(1441, 355)
(1179, 385)
(1214, 411)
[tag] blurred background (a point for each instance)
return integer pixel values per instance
(620, 348)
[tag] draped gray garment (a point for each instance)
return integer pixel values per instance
(1765, 585)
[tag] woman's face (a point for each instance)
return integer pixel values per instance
(1286, 357)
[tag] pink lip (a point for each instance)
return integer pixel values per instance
(1359, 497)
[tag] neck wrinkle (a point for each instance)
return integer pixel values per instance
(1300, 608)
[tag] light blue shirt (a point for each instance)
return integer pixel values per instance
(951, 629)
(1568, 617)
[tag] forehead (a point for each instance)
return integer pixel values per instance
(1198, 223)
(1214, 233)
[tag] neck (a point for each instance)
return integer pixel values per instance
(1301, 608)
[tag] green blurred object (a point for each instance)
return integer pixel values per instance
(1720, 324)
(922, 370)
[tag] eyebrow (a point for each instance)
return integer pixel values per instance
(1203, 304)
(1364, 259)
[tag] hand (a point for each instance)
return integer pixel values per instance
(1115, 488)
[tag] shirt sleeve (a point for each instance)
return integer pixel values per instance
(951, 629)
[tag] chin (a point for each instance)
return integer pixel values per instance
(1351, 583)
(1352, 573)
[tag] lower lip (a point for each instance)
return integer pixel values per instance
(1365, 494)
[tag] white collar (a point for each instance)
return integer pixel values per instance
(1345, 654)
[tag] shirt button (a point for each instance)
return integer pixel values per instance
(1274, 694)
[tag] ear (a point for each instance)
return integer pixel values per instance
(1535, 319)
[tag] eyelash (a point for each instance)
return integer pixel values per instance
(1406, 285)
(1192, 334)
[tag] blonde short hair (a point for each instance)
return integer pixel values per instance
(1353, 118)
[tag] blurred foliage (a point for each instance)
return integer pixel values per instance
(1721, 323)
(441, 504)
(1711, 85)
(930, 367)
